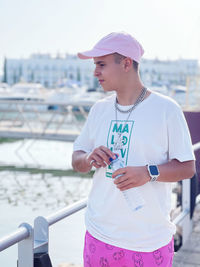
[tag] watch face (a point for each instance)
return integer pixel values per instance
(153, 170)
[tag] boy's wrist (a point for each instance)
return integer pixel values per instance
(88, 161)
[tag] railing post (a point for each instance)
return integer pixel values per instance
(187, 222)
(41, 243)
(25, 248)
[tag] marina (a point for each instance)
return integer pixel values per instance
(31, 111)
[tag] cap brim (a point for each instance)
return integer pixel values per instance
(93, 53)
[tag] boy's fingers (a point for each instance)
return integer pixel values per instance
(120, 171)
(108, 151)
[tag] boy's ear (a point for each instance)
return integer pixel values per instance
(127, 63)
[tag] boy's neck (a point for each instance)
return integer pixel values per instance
(129, 94)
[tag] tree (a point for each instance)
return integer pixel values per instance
(32, 76)
(5, 71)
(78, 78)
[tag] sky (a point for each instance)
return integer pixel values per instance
(167, 29)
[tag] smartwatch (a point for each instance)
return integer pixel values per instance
(153, 172)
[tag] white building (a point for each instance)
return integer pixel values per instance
(168, 72)
(52, 71)
(49, 71)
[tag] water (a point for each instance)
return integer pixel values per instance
(37, 153)
(25, 195)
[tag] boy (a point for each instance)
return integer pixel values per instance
(149, 133)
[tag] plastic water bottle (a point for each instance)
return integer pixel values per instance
(133, 197)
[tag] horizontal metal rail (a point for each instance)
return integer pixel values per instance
(28, 119)
(181, 216)
(196, 146)
(63, 213)
(48, 103)
(15, 237)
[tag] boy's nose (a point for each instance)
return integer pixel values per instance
(96, 73)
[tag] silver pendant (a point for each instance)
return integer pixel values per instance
(118, 145)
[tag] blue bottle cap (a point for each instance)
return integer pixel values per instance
(116, 157)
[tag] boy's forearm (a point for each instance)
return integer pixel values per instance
(174, 171)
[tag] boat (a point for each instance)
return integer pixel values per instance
(25, 94)
(23, 91)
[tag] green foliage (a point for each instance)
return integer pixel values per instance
(55, 172)
(7, 140)
(5, 71)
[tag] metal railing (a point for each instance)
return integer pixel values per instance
(184, 218)
(42, 120)
(33, 240)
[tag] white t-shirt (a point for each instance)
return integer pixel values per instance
(155, 133)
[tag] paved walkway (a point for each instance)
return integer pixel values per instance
(189, 254)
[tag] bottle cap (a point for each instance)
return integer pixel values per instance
(116, 157)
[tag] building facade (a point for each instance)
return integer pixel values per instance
(168, 72)
(51, 72)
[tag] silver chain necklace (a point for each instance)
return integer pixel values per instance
(118, 144)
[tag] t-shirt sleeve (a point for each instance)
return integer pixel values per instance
(84, 141)
(179, 139)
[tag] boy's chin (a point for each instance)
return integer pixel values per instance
(106, 89)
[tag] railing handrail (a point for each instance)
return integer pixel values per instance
(186, 211)
(48, 103)
(196, 146)
(23, 231)
(63, 213)
(11, 239)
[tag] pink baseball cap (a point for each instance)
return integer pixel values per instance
(115, 42)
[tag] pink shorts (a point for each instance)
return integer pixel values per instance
(98, 253)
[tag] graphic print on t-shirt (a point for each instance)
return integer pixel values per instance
(125, 129)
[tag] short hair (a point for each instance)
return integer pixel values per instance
(118, 58)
